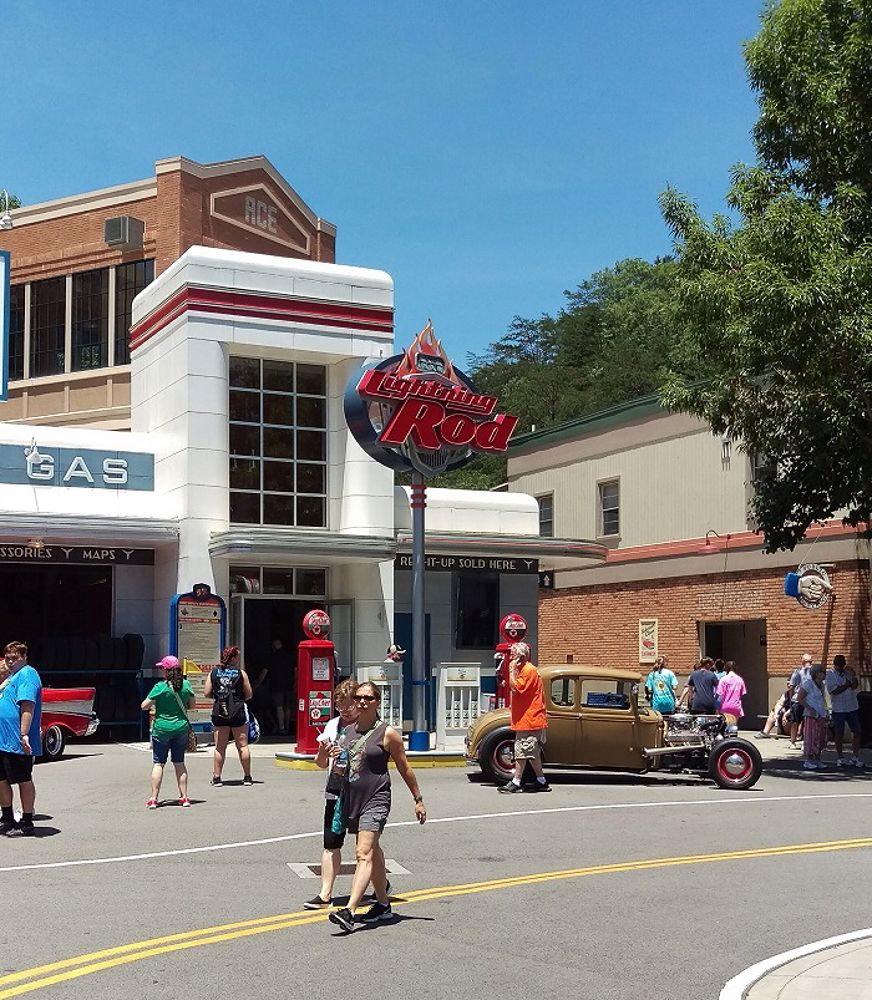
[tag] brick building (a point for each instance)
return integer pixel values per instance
(685, 574)
(78, 262)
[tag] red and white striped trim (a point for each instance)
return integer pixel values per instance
(253, 306)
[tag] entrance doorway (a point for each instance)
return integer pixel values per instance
(745, 643)
(257, 619)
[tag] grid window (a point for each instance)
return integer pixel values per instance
(90, 320)
(47, 326)
(762, 467)
(546, 515)
(16, 332)
(609, 508)
(130, 279)
(284, 580)
(278, 472)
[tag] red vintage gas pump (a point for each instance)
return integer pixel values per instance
(513, 628)
(316, 667)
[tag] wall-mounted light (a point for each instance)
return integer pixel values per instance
(726, 447)
(707, 548)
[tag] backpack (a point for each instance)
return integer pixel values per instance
(225, 682)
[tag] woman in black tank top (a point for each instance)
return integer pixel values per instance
(366, 799)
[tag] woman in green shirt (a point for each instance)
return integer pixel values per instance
(170, 699)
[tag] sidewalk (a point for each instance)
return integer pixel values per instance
(838, 971)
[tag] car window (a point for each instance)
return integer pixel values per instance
(604, 692)
(563, 692)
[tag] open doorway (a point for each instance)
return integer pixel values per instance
(745, 643)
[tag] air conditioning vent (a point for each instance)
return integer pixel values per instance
(124, 232)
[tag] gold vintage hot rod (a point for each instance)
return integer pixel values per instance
(595, 721)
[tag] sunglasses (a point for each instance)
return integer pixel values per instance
(365, 697)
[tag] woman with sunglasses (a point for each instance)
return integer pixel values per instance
(366, 801)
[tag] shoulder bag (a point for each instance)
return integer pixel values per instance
(191, 745)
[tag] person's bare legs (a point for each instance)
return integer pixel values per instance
(331, 862)
(156, 779)
(839, 739)
(182, 778)
(240, 738)
(27, 794)
(5, 794)
(222, 737)
(364, 851)
(379, 875)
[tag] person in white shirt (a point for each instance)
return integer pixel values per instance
(796, 710)
(814, 717)
(842, 685)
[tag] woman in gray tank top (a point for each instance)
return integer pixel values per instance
(366, 802)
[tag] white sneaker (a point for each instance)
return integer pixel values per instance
(844, 762)
(810, 765)
(855, 761)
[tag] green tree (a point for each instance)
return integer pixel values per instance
(779, 302)
(14, 202)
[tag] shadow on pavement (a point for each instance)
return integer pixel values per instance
(792, 768)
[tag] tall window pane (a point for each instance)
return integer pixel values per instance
(130, 279)
(47, 318)
(90, 320)
(268, 485)
(16, 332)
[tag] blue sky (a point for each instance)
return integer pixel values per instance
(487, 154)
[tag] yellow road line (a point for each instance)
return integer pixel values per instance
(98, 961)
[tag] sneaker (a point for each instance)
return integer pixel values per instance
(378, 911)
(6, 828)
(538, 786)
(216, 781)
(248, 780)
(509, 789)
(22, 830)
(185, 803)
(855, 761)
(151, 804)
(795, 746)
(810, 765)
(762, 736)
(316, 903)
(344, 918)
(370, 896)
(844, 762)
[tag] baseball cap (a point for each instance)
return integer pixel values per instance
(169, 663)
(395, 650)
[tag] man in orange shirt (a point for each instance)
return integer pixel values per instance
(529, 719)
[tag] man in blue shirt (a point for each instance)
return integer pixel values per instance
(20, 740)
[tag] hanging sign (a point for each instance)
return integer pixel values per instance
(648, 640)
(416, 412)
(810, 585)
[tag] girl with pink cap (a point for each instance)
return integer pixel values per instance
(170, 699)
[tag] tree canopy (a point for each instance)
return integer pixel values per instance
(778, 302)
(14, 202)
(608, 344)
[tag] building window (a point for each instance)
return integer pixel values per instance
(278, 443)
(90, 320)
(762, 467)
(546, 515)
(130, 279)
(16, 332)
(609, 508)
(263, 580)
(478, 601)
(47, 326)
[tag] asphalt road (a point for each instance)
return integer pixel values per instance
(611, 887)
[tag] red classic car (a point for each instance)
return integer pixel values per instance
(66, 712)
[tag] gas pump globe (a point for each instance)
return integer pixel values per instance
(513, 628)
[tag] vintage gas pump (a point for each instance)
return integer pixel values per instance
(316, 666)
(513, 628)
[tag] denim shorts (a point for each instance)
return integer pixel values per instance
(851, 718)
(172, 746)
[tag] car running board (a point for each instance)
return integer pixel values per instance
(678, 748)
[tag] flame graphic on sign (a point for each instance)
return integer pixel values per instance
(426, 345)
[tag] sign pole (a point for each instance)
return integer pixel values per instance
(419, 738)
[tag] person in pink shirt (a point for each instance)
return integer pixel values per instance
(731, 688)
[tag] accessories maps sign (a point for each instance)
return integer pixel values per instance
(416, 412)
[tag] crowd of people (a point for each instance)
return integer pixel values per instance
(712, 686)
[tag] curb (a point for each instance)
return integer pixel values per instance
(739, 986)
(302, 762)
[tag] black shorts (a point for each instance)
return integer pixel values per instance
(332, 841)
(796, 711)
(233, 723)
(16, 768)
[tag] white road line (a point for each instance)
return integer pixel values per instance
(739, 986)
(732, 800)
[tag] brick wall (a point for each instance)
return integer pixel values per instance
(600, 624)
